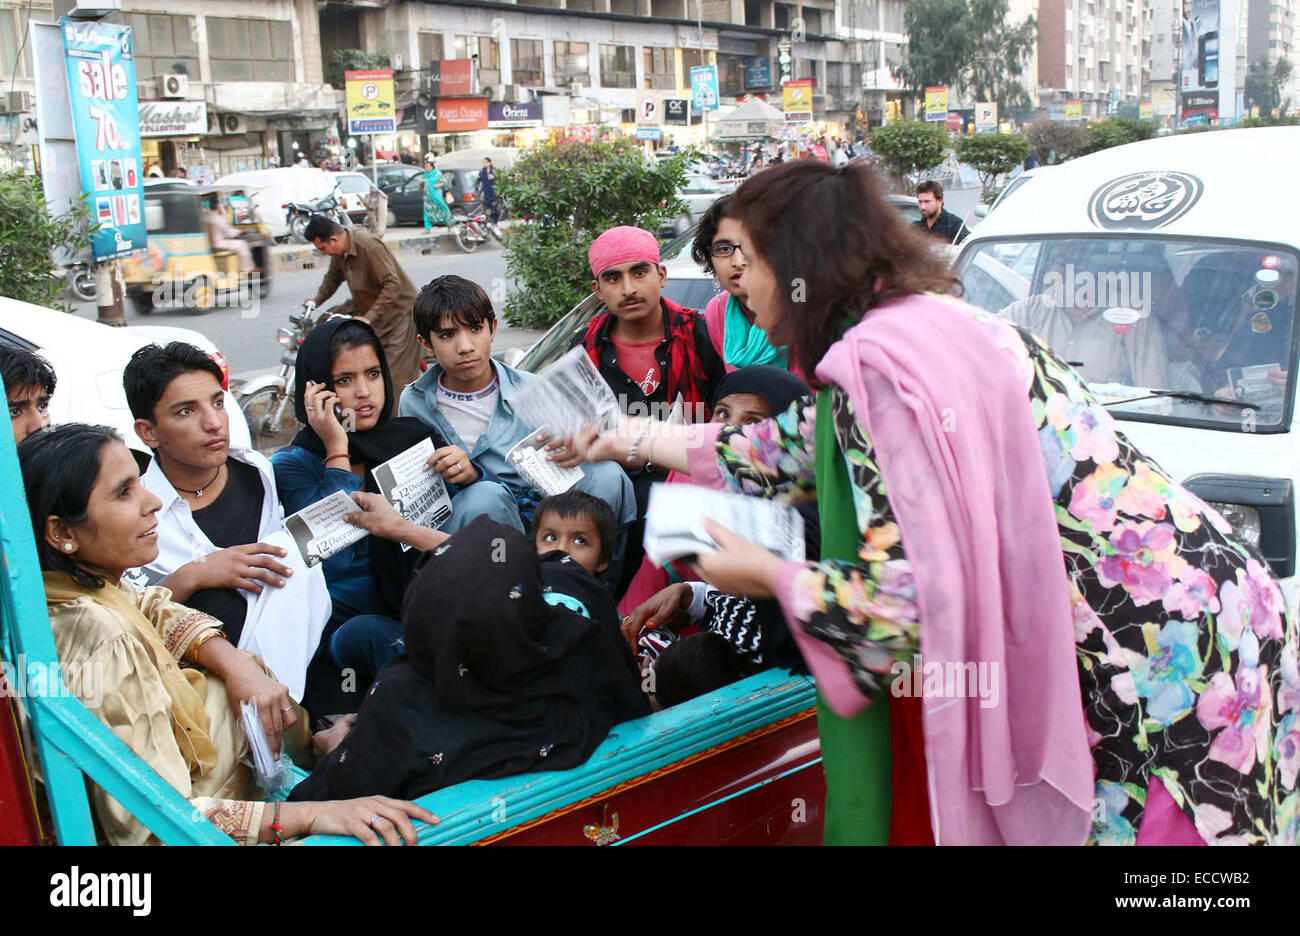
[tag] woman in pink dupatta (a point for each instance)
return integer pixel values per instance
(1098, 658)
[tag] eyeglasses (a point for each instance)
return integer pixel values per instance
(724, 249)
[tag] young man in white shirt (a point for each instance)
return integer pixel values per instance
(221, 543)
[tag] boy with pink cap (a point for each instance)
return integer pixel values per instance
(652, 352)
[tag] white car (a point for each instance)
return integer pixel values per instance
(1163, 243)
(354, 188)
(88, 359)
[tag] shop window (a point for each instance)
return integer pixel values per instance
(660, 69)
(430, 48)
(617, 67)
(526, 62)
(572, 63)
(250, 50)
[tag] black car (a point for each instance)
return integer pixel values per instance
(404, 186)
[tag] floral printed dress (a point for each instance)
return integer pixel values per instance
(1187, 657)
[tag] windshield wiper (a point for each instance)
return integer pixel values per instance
(1188, 395)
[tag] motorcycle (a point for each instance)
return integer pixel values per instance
(472, 231)
(267, 402)
(78, 279)
(298, 214)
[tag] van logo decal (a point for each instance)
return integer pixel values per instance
(1144, 201)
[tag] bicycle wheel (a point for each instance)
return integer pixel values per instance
(270, 417)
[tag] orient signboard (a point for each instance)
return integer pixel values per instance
(505, 114)
(173, 118)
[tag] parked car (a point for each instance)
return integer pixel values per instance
(404, 187)
(354, 188)
(1162, 235)
(88, 359)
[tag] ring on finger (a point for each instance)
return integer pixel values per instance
(373, 819)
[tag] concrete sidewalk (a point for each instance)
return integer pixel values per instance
(400, 240)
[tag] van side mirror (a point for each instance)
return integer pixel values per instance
(981, 211)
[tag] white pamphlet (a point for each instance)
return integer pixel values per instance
(567, 396)
(529, 458)
(676, 514)
(418, 493)
(320, 530)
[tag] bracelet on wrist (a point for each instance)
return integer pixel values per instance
(276, 828)
(636, 442)
(329, 458)
(193, 653)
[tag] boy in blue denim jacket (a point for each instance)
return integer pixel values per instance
(467, 397)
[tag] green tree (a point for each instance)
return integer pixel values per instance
(571, 193)
(1055, 140)
(345, 60)
(992, 155)
(1264, 83)
(29, 234)
(968, 45)
(1116, 132)
(908, 146)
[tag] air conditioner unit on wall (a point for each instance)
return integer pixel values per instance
(497, 92)
(15, 102)
(232, 124)
(173, 86)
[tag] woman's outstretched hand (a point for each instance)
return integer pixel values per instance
(374, 820)
(740, 566)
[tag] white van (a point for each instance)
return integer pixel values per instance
(1165, 271)
(272, 189)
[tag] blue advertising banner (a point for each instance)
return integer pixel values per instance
(649, 133)
(758, 72)
(106, 120)
(704, 87)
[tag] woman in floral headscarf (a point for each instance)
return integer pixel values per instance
(982, 516)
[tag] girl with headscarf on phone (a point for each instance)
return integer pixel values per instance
(342, 398)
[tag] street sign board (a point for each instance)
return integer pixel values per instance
(704, 87)
(936, 103)
(106, 118)
(371, 102)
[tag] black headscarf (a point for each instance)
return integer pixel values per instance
(495, 680)
(389, 437)
(775, 385)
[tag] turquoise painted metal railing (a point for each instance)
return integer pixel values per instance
(70, 741)
(477, 809)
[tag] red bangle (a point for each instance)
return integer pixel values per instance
(276, 828)
(339, 455)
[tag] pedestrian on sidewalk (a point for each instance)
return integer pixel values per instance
(382, 293)
(436, 211)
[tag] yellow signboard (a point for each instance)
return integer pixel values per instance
(796, 96)
(1146, 110)
(893, 110)
(1074, 110)
(936, 102)
(372, 106)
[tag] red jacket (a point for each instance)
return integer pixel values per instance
(690, 364)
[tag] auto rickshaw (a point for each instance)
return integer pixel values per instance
(180, 265)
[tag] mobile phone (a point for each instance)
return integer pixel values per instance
(338, 413)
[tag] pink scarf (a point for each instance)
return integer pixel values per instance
(947, 413)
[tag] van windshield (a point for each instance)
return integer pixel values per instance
(1160, 319)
